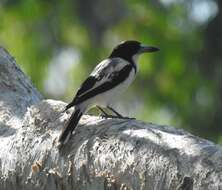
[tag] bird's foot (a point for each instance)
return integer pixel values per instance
(115, 117)
(129, 118)
(107, 116)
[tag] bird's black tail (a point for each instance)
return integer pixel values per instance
(70, 126)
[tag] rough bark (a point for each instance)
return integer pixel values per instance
(107, 154)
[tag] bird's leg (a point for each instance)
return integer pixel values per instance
(106, 115)
(118, 114)
(114, 111)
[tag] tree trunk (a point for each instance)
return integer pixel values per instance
(109, 154)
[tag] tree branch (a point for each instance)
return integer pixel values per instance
(102, 153)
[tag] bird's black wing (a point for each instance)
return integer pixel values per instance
(114, 79)
(104, 77)
(86, 85)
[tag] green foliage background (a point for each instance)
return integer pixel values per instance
(180, 85)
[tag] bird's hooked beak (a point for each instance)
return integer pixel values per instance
(144, 49)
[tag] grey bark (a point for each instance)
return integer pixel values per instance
(103, 154)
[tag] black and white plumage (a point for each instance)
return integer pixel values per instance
(109, 78)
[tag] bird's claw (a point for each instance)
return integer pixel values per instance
(116, 117)
(130, 118)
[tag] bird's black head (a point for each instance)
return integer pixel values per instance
(130, 48)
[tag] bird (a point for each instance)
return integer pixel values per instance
(108, 79)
